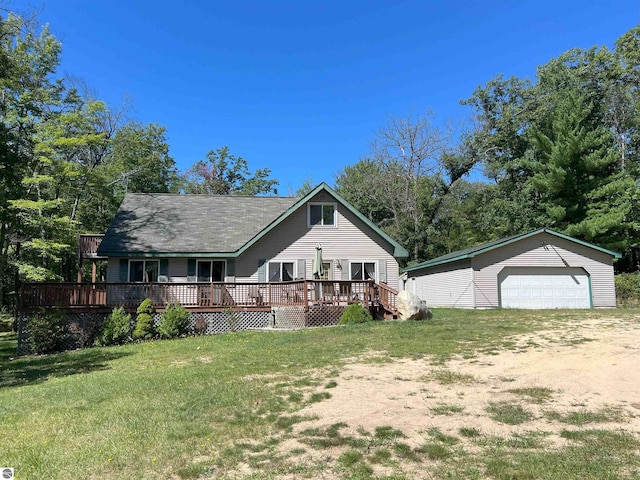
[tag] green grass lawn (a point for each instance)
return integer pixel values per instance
(194, 407)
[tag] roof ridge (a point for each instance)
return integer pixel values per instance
(217, 195)
(146, 224)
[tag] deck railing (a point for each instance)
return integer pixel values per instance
(62, 294)
(388, 297)
(88, 246)
(198, 295)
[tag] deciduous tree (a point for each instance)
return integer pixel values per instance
(222, 173)
(410, 169)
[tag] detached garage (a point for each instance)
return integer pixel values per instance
(539, 269)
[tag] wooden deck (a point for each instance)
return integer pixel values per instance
(207, 296)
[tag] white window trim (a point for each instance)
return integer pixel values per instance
(335, 215)
(295, 268)
(144, 268)
(198, 261)
(362, 262)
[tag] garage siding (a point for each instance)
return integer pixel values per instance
(449, 285)
(543, 250)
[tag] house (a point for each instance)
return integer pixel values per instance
(234, 262)
(243, 251)
(174, 238)
(538, 269)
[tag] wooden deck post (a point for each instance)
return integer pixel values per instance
(305, 291)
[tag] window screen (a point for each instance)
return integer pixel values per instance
(322, 214)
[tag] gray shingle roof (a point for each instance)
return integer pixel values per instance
(177, 224)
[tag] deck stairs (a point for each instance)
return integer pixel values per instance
(387, 301)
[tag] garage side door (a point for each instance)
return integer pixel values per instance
(544, 288)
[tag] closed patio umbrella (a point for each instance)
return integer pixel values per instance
(318, 269)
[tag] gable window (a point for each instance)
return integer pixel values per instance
(363, 270)
(321, 214)
(281, 271)
(143, 270)
(210, 270)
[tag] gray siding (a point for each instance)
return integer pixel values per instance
(449, 285)
(543, 250)
(292, 240)
(113, 269)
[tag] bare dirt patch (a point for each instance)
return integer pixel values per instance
(584, 375)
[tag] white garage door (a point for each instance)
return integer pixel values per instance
(545, 288)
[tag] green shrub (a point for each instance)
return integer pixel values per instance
(355, 313)
(146, 307)
(174, 322)
(145, 329)
(116, 329)
(628, 288)
(47, 331)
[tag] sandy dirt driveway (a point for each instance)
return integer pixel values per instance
(581, 375)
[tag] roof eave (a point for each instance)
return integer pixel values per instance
(436, 263)
(583, 243)
(509, 241)
(170, 254)
(398, 250)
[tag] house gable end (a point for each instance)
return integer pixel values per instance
(317, 194)
(165, 225)
(472, 252)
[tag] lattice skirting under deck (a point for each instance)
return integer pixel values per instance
(84, 326)
(324, 315)
(289, 318)
(83, 329)
(220, 322)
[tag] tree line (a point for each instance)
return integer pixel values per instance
(560, 151)
(67, 159)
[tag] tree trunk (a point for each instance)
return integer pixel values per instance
(5, 278)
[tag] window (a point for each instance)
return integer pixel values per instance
(322, 214)
(281, 271)
(210, 271)
(363, 271)
(143, 270)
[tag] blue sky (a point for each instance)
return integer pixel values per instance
(301, 87)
